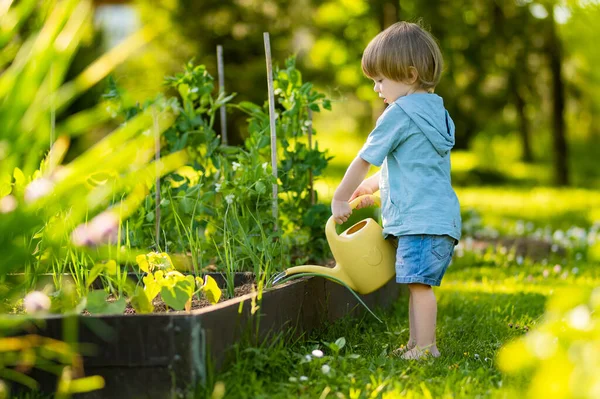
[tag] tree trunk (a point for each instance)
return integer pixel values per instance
(388, 13)
(519, 83)
(558, 105)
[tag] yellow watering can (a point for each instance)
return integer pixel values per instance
(364, 259)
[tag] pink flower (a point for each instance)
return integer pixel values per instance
(103, 229)
(8, 204)
(36, 302)
(545, 273)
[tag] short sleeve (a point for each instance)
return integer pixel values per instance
(389, 132)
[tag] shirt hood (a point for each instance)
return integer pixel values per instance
(427, 111)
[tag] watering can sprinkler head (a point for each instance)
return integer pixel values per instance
(365, 261)
(276, 279)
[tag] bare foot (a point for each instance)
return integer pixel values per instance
(418, 353)
(403, 348)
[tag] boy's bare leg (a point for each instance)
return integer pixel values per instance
(424, 308)
(412, 340)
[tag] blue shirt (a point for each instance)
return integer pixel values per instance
(411, 142)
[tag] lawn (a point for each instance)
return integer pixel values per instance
(484, 302)
(487, 299)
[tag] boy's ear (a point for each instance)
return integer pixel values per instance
(413, 75)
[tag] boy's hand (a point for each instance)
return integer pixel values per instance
(362, 190)
(341, 211)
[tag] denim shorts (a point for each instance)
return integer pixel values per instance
(422, 258)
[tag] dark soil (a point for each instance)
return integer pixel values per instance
(161, 307)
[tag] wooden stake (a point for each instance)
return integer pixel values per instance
(157, 186)
(310, 172)
(272, 121)
(221, 72)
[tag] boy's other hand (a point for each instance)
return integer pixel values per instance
(341, 211)
(362, 190)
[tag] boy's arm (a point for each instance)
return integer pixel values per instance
(370, 186)
(355, 174)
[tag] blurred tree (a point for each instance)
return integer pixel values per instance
(555, 56)
(505, 65)
(198, 27)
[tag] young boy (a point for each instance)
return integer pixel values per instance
(411, 142)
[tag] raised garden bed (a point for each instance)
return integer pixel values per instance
(158, 355)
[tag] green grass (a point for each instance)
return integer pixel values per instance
(478, 301)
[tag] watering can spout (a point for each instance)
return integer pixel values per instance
(365, 261)
(336, 273)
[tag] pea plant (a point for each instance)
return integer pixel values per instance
(301, 217)
(218, 207)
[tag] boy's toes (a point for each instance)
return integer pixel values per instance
(412, 354)
(399, 351)
(416, 353)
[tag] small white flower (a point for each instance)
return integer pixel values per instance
(194, 90)
(307, 358)
(38, 188)
(519, 260)
(317, 353)
(580, 317)
(235, 165)
(36, 302)
(218, 187)
(477, 356)
(264, 166)
(486, 359)
(575, 270)
(545, 273)
(303, 378)
(578, 256)
(325, 369)
(229, 198)
(8, 204)
(557, 269)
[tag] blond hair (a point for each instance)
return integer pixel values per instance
(402, 46)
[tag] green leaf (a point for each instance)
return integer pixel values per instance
(211, 290)
(314, 107)
(140, 301)
(327, 104)
(19, 178)
(177, 290)
(260, 187)
(5, 185)
(109, 267)
(340, 342)
(152, 285)
(249, 107)
(142, 262)
(97, 303)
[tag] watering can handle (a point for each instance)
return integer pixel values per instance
(330, 227)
